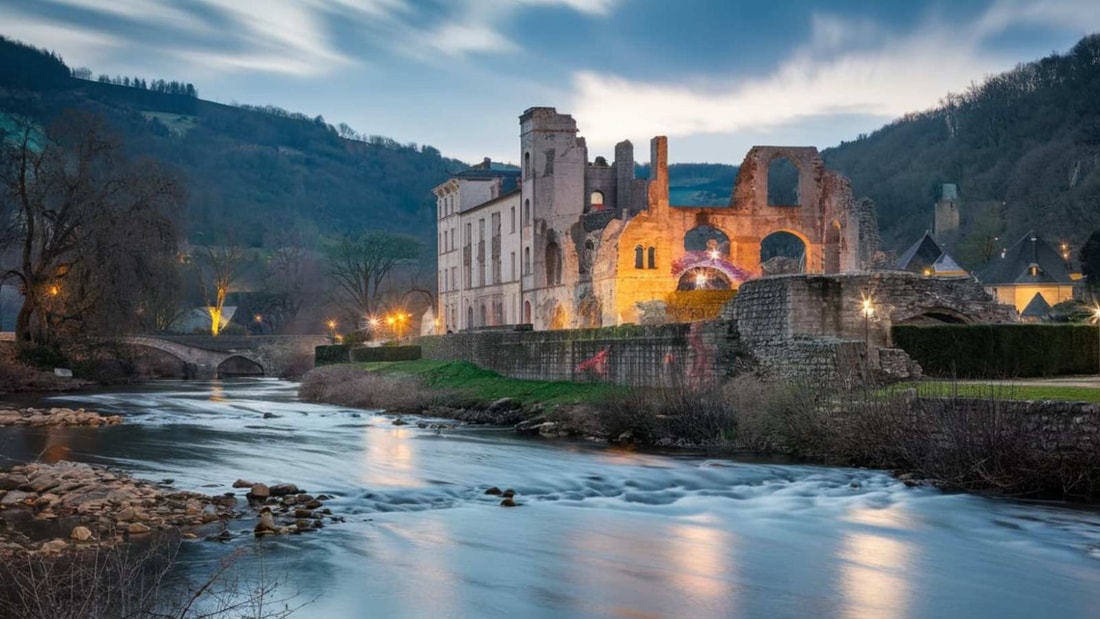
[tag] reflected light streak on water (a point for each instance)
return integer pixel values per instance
(600, 533)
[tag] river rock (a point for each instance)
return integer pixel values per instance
(266, 525)
(14, 497)
(259, 491)
(508, 503)
(54, 545)
(81, 534)
(138, 528)
(284, 489)
(240, 483)
(493, 490)
(54, 417)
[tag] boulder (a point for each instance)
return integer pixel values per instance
(240, 483)
(54, 545)
(283, 489)
(259, 491)
(138, 528)
(81, 534)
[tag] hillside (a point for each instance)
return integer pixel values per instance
(1023, 147)
(253, 173)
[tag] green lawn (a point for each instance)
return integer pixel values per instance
(486, 385)
(1004, 391)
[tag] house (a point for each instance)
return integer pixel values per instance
(1029, 275)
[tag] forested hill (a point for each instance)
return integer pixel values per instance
(252, 173)
(1023, 147)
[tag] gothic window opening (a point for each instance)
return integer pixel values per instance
(651, 254)
(639, 257)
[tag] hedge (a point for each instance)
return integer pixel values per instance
(1001, 350)
(364, 354)
(328, 355)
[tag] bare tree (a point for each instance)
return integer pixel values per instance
(218, 273)
(360, 265)
(87, 226)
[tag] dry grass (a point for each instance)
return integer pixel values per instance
(347, 385)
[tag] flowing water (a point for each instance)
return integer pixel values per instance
(600, 533)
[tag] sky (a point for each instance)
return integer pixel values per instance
(715, 76)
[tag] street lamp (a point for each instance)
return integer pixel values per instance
(331, 330)
(868, 311)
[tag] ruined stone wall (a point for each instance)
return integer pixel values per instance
(696, 354)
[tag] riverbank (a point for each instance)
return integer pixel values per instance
(973, 438)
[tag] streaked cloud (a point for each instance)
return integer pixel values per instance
(850, 66)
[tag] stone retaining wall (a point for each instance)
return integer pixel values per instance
(695, 353)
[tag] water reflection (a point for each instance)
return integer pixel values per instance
(388, 458)
(700, 551)
(874, 564)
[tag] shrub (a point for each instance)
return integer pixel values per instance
(385, 353)
(351, 386)
(333, 353)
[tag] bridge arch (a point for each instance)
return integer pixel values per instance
(239, 365)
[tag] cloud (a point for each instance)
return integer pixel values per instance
(849, 67)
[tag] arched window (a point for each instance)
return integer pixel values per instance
(484, 316)
(470, 317)
(527, 312)
(526, 260)
(553, 264)
(526, 212)
(596, 199)
(652, 255)
(526, 165)
(639, 257)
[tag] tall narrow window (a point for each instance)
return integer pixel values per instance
(526, 166)
(513, 271)
(513, 219)
(526, 260)
(639, 257)
(526, 212)
(652, 257)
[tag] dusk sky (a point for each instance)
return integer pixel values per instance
(716, 76)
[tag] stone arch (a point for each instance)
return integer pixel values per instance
(707, 238)
(239, 365)
(832, 247)
(704, 278)
(784, 251)
(783, 181)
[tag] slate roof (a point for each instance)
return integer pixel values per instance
(1036, 308)
(1013, 266)
(488, 170)
(927, 253)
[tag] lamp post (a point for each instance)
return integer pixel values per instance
(868, 311)
(331, 330)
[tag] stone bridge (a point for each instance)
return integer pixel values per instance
(216, 357)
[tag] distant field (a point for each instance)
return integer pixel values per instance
(176, 123)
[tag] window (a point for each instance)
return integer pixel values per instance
(481, 230)
(639, 257)
(513, 263)
(469, 233)
(526, 212)
(553, 264)
(526, 166)
(596, 199)
(652, 257)
(526, 260)
(445, 240)
(513, 219)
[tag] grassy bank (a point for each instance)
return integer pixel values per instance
(1003, 390)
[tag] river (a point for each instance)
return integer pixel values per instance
(599, 532)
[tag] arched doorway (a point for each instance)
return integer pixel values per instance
(527, 312)
(782, 252)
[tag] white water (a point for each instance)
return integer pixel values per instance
(600, 533)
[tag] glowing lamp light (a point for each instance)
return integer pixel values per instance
(700, 280)
(713, 254)
(331, 324)
(55, 290)
(867, 307)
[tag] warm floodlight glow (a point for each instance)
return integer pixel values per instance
(55, 290)
(713, 254)
(867, 308)
(701, 281)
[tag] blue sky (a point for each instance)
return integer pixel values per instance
(716, 76)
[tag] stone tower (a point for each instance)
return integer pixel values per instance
(946, 223)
